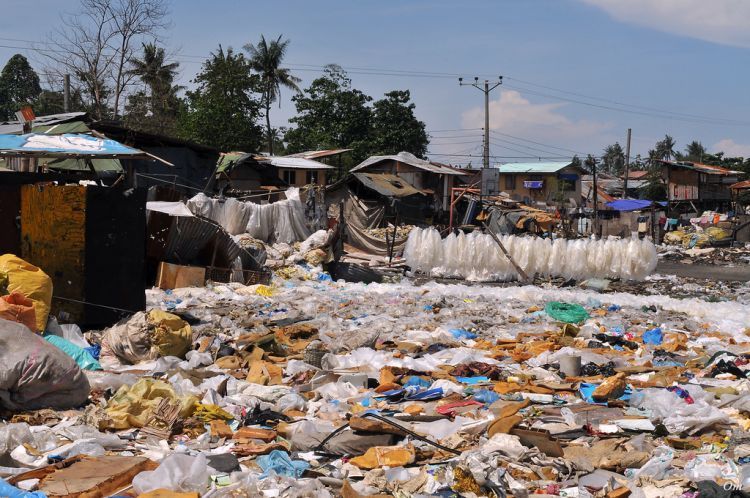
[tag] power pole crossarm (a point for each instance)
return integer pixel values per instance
(486, 89)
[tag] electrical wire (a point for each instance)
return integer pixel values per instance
(623, 107)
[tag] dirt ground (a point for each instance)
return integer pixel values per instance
(705, 271)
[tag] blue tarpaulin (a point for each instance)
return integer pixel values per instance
(633, 204)
(70, 144)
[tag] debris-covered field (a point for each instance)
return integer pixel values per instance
(310, 387)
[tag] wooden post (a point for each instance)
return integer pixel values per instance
(521, 273)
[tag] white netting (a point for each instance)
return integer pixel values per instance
(476, 256)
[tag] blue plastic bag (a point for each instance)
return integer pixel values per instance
(654, 337)
(6, 490)
(462, 334)
(80, 355)
(486, 396)
(417, 381)
(280, 463)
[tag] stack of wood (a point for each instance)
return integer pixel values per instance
(380, 263)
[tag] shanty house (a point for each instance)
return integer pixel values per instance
(299, 171)
(698, 185)
(433, 179)
(541, 182)
(245, 172)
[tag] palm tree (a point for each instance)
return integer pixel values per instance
(665, 148)
(153, 71)
(614, 158)
(266, 59)
(695, 151)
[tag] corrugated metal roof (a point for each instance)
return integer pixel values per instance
(743, 185)
(549, 167)
(296, 163)
(410, 159)
(16, 127)
(703, 168)
(387, 184)
(317, 154)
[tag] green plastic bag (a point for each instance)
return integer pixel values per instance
(566, 312)
(81, 356)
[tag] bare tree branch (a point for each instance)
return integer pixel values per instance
(96, 44)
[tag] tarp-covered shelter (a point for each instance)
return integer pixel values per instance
(247, 172)
(372, 200)
(433, 179)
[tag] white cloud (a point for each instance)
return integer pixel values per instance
(513, 114)
(719, 21)
(730, 148)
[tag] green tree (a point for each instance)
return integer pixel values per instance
(19, 86)
(395, 128)
(222, 111)
(694, 152)
(156, 108)
(331, 114)
(664, 149)
(654, 189)
(613, 159)
(265, 60)
(53, 102)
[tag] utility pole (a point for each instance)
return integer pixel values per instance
(627, 166)
(595, 196)
(66, 93)
(486, 90)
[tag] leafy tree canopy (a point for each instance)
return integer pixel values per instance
(223, 110)
(395, 128)
(19, 86)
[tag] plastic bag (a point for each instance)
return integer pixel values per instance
(566, 312)
(291, 401)
(30, 281)
(18, 308)
(653, 336)
(657, 467)
(8, 491)
(182, 473)
(147, 336)
(36, 374)
(82, 357)
(132, 406)
(279, 463)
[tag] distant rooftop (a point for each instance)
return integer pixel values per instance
(548, 167)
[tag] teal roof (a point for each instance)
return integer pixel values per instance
(533, 167)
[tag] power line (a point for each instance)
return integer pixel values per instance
(720, 121)
(651, 112)
(655, 109)
(495, 132)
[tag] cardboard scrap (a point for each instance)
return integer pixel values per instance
(385, 456)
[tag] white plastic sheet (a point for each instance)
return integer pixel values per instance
(476, 256)
(282, 221)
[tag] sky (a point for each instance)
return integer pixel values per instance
(576, 73)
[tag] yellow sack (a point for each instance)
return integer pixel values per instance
(172, 335)
(32, 282)
(132, 406)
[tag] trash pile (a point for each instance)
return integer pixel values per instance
(721, 256)
(310, 387)
(688, 238)
(476, 256)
